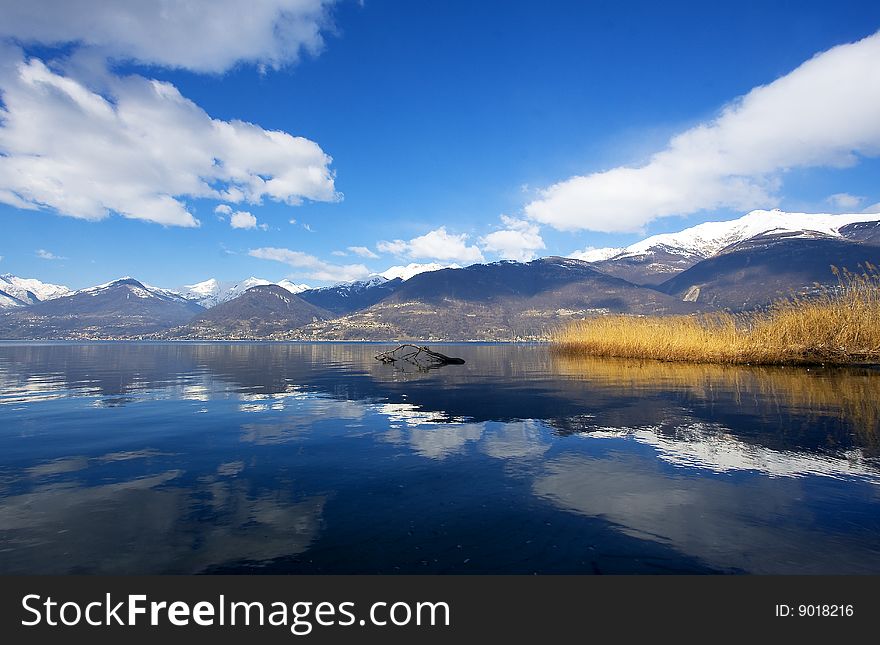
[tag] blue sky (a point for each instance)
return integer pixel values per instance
(437, 116)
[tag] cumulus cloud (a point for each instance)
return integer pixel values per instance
(844, 200)
(362, 251)
(242, 219)
(518, 241)
(824, 113)
(138, 148)
(200, 36)
(43, 254)
(314, 268)
(436, 244)
(394, 247)
(223, 209)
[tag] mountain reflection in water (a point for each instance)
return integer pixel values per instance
(260, 457)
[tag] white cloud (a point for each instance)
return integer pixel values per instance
(362, 251)
(242, 219)
(519, 241)
(200, 36)
(140, 149)
(824, 113)
(43, 254)
(593, 254)
(873, 208)
(395, 247)
(315, 268)
(844, 200)
(223, 209)
(408, 271)
(437, 244)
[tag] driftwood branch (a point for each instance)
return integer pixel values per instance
(421, 357)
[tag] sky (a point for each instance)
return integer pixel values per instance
(327, 141)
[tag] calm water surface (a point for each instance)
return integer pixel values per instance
(218, 458)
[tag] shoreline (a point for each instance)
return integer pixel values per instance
(194, 341)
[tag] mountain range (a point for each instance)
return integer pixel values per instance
(124, 308)
(733, 265)
(499, 301)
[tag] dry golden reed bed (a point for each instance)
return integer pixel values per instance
(838, 326)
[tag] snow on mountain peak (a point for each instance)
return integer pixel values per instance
(207, 288)
(212, 292)
(408, 271)
(355, 285)
(592, 254)
(707, 239)
(28, 290)
(101, 287)
(293, 287)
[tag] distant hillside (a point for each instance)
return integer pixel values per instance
(864, 232)
(766, 268)
(349, 297)
(257, 313)
(650, 267)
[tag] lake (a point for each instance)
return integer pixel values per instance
(132, 458)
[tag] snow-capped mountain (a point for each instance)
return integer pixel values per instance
(17, 292)
(705, 240)
(202, 291)
(134, 287)
(212, 292)
(656, 258)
